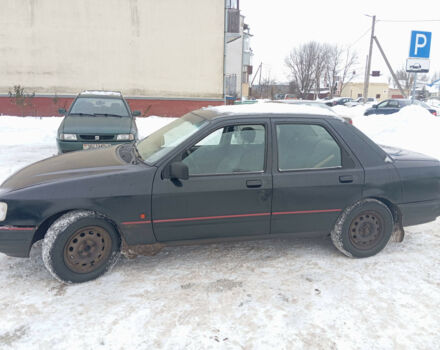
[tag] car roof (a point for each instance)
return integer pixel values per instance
(268, 109)
(100, 93)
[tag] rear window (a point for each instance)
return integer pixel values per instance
(99, 106)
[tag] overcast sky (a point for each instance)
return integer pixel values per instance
(280, 25)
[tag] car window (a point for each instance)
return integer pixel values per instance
(383, 104)
(228, 150)
(164, 140)
(393, 104)
(92, 106)
(302, 146)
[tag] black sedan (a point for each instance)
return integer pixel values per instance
(224, 173)
(394, 105)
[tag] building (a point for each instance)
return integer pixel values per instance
(378, 88)
(237, 71)
(167, 57)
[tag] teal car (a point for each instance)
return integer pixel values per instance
(96, 119)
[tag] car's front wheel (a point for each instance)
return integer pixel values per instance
(364, 229)
(80, 246)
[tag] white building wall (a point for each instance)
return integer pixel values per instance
(160, 48)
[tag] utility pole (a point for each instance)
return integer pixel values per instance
(368, 68)
(389, 67)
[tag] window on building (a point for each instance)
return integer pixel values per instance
(378, 96)
(232, 4)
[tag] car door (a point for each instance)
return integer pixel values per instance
(381, 107)
(315, 177)
(229, 189)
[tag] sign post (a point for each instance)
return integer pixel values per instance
(418, 60)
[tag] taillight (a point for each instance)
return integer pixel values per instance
(434, 113)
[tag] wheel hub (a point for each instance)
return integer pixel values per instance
(87, 249)
(366, 230)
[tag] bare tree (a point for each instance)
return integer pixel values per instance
(333, 67)
(321, 64)
(302, 64)
(266, 85)
(348, 67)
(312, 64)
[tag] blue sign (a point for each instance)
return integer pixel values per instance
(420, 44)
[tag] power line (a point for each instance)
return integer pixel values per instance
(357, 40)
(408, 21)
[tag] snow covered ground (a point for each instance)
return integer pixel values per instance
(279, 294)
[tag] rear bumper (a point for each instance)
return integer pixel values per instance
(16, 241)
(419, 212)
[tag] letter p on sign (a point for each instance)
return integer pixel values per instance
(420, 44)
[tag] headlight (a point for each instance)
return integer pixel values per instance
(3, 211)
(125, 137)
(68, 137)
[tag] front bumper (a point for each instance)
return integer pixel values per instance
(419, 212)
(16, 240)
(71, 146)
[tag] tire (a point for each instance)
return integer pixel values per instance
(363, 229)
(80, 246)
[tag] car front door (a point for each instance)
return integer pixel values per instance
(315, 177)
(229, 189)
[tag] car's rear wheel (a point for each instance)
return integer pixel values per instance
(80, 246)
(364, 229)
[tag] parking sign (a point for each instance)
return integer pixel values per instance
(420, 44)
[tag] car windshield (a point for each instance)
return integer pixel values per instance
(99, 106)
(164, 140)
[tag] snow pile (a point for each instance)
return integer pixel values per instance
(413, 128)
(352, 112)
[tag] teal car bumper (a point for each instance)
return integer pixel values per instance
(71, 146)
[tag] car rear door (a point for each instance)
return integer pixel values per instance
(229, 189)
(315, 176)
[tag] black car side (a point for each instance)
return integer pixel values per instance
(218, 174)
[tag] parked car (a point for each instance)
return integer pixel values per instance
(338, 101)
(395, 105)
(220, 173)
(360, 100)
(96, 119)
(315, 103)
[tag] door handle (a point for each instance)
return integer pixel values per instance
(345, 179)
(254, 183)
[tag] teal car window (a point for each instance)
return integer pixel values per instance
(96, 105)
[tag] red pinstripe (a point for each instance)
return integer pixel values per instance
(231, 216)
(10, 228)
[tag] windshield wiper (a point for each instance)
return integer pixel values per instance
(109, 115)
(81, 114)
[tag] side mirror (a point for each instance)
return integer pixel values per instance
(62, 111)
(179, 170)
(374, 106)
(135, 113)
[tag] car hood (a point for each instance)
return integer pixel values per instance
(66, 166)
(96, 125)
(400, 154)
